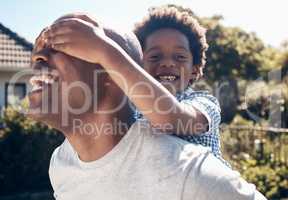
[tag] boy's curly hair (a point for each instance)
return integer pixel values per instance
(176, 18)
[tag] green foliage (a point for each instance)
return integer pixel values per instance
(233, 53)
(271, 178)
(25, 151)
(283, 62)
(237, 143)
(265, 166)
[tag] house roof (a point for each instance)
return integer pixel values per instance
(15, 51)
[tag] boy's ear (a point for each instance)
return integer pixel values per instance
(197, 73)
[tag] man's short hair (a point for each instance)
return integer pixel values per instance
(127, 41)
(179, 19)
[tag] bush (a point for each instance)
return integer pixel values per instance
(271, 178)
(25, 151)
(265, 167)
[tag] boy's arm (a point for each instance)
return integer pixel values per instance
(77, 38)
(208, 105)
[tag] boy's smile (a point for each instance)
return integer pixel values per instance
(168, 59)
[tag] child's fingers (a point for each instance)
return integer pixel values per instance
(64, 47)
(60, 27)
(40, 36)
(86, 18)
(57, 30)
(65, 26)
(59, 39)
(40, 41)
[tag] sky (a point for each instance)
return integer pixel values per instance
(267, 18)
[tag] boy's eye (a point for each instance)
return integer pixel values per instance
(180, 57)
(154, 58)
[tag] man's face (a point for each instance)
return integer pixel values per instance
(61, 82)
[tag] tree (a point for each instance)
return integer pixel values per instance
(25, 150)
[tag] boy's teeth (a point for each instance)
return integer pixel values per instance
(167, 78)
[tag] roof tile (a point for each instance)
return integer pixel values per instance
(15, 51)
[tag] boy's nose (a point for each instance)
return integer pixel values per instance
(167, 62)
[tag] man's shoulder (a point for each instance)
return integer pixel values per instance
(62, 152)
(169, 154)
(172, 145)
(214, 180)
(62, 160)
(179, 155)
(62, 157)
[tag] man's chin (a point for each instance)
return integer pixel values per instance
(36, 115)
(49, 119)
(35, 100)
(37, 110)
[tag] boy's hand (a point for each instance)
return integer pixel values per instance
(78, 38)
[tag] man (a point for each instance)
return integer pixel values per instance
(104, 155)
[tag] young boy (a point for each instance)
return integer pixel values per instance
(174, 56)
(163, 34)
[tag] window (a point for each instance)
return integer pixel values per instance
(14, 93)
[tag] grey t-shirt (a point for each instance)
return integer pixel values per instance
(146, 165)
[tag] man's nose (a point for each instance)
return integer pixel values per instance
(40, 59)
(40, 56)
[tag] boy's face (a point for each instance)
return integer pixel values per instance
(167, 57)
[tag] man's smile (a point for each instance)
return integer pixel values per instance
(43, 80)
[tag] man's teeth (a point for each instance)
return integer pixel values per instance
(48, 81)
(42, 79)
(36, 87)
(38, 81)
(167, 78)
